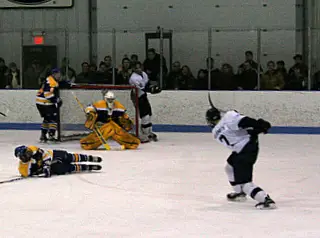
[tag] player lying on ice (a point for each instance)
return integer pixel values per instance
(111, 118)
(38, 162)
(240, 134)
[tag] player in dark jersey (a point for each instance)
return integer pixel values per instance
(48, 103)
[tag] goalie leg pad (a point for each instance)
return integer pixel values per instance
(124, 138)
(92, 142)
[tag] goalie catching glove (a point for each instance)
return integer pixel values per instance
(91, 120)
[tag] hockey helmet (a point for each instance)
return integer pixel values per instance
(22, 153)
(212, 117)
(109, 97)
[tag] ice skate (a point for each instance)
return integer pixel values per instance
(237, 197)
(94, 159)
(43, 138)
(268, 204)
(153, 137)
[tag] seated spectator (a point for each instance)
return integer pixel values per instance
(303, 68)
(249, 59)
(297, 80)
(152, 66)
(247, 77)
(13, 77)
(272, 79)
(93, 68)
(226, 80)
(204, 78)
(124, 72)
(186, 79)
(172, 80)
(103, 76)
(3, 73)
(201, 82)
(84, 76)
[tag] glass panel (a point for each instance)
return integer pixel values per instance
(228, 51)
(278, 47)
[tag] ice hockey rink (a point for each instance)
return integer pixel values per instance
(173, 188)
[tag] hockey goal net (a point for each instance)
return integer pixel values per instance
(72, 117)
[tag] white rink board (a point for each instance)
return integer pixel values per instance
(181, 107)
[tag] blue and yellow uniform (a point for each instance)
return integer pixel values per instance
(116, 124)
(48, 102)
(36, 161)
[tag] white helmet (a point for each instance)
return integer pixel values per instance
(109, 98)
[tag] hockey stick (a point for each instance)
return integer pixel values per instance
(12, 180)
(4, 114)
(96, 128)
(211, 104)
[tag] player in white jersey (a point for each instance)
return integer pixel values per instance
(140, 80)
(240, 134)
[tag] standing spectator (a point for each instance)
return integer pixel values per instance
(109, 69)
(124, 73)
(134, 59)
(272, 79)
(174, 77)
(226, 80)
(215, 72)
(152, 66)
(71, 74)
(13, 77)
(303, 68)
(3, 73)
(249, 59)
(247, 77)
(187, 78)
(31, 77)
(84, 76)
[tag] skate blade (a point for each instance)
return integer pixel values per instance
(270, 207)
(238, 199)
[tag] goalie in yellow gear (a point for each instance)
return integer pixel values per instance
(113, 121)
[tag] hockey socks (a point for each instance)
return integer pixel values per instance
(76, 158)
(85, 167)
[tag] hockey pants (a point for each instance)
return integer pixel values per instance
(110, 130)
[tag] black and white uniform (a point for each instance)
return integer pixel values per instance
(237, 132)
(145, 112)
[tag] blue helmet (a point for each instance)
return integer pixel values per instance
(20, 150)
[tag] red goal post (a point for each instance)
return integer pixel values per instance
(72, 118)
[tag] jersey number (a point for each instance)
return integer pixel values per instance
(224, 139)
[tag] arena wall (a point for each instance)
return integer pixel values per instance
(178, 111)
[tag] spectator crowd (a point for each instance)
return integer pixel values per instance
(274, 77)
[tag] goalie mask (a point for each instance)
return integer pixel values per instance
(109, 98)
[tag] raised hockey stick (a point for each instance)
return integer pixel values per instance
(97, 130)
(211, 104)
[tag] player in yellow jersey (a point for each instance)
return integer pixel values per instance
(35, 161)
(48, 103)
(111, 117)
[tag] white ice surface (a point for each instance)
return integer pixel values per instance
(173, 188)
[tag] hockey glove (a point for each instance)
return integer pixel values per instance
(264, 126)
(126, 123)
(47, 169)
